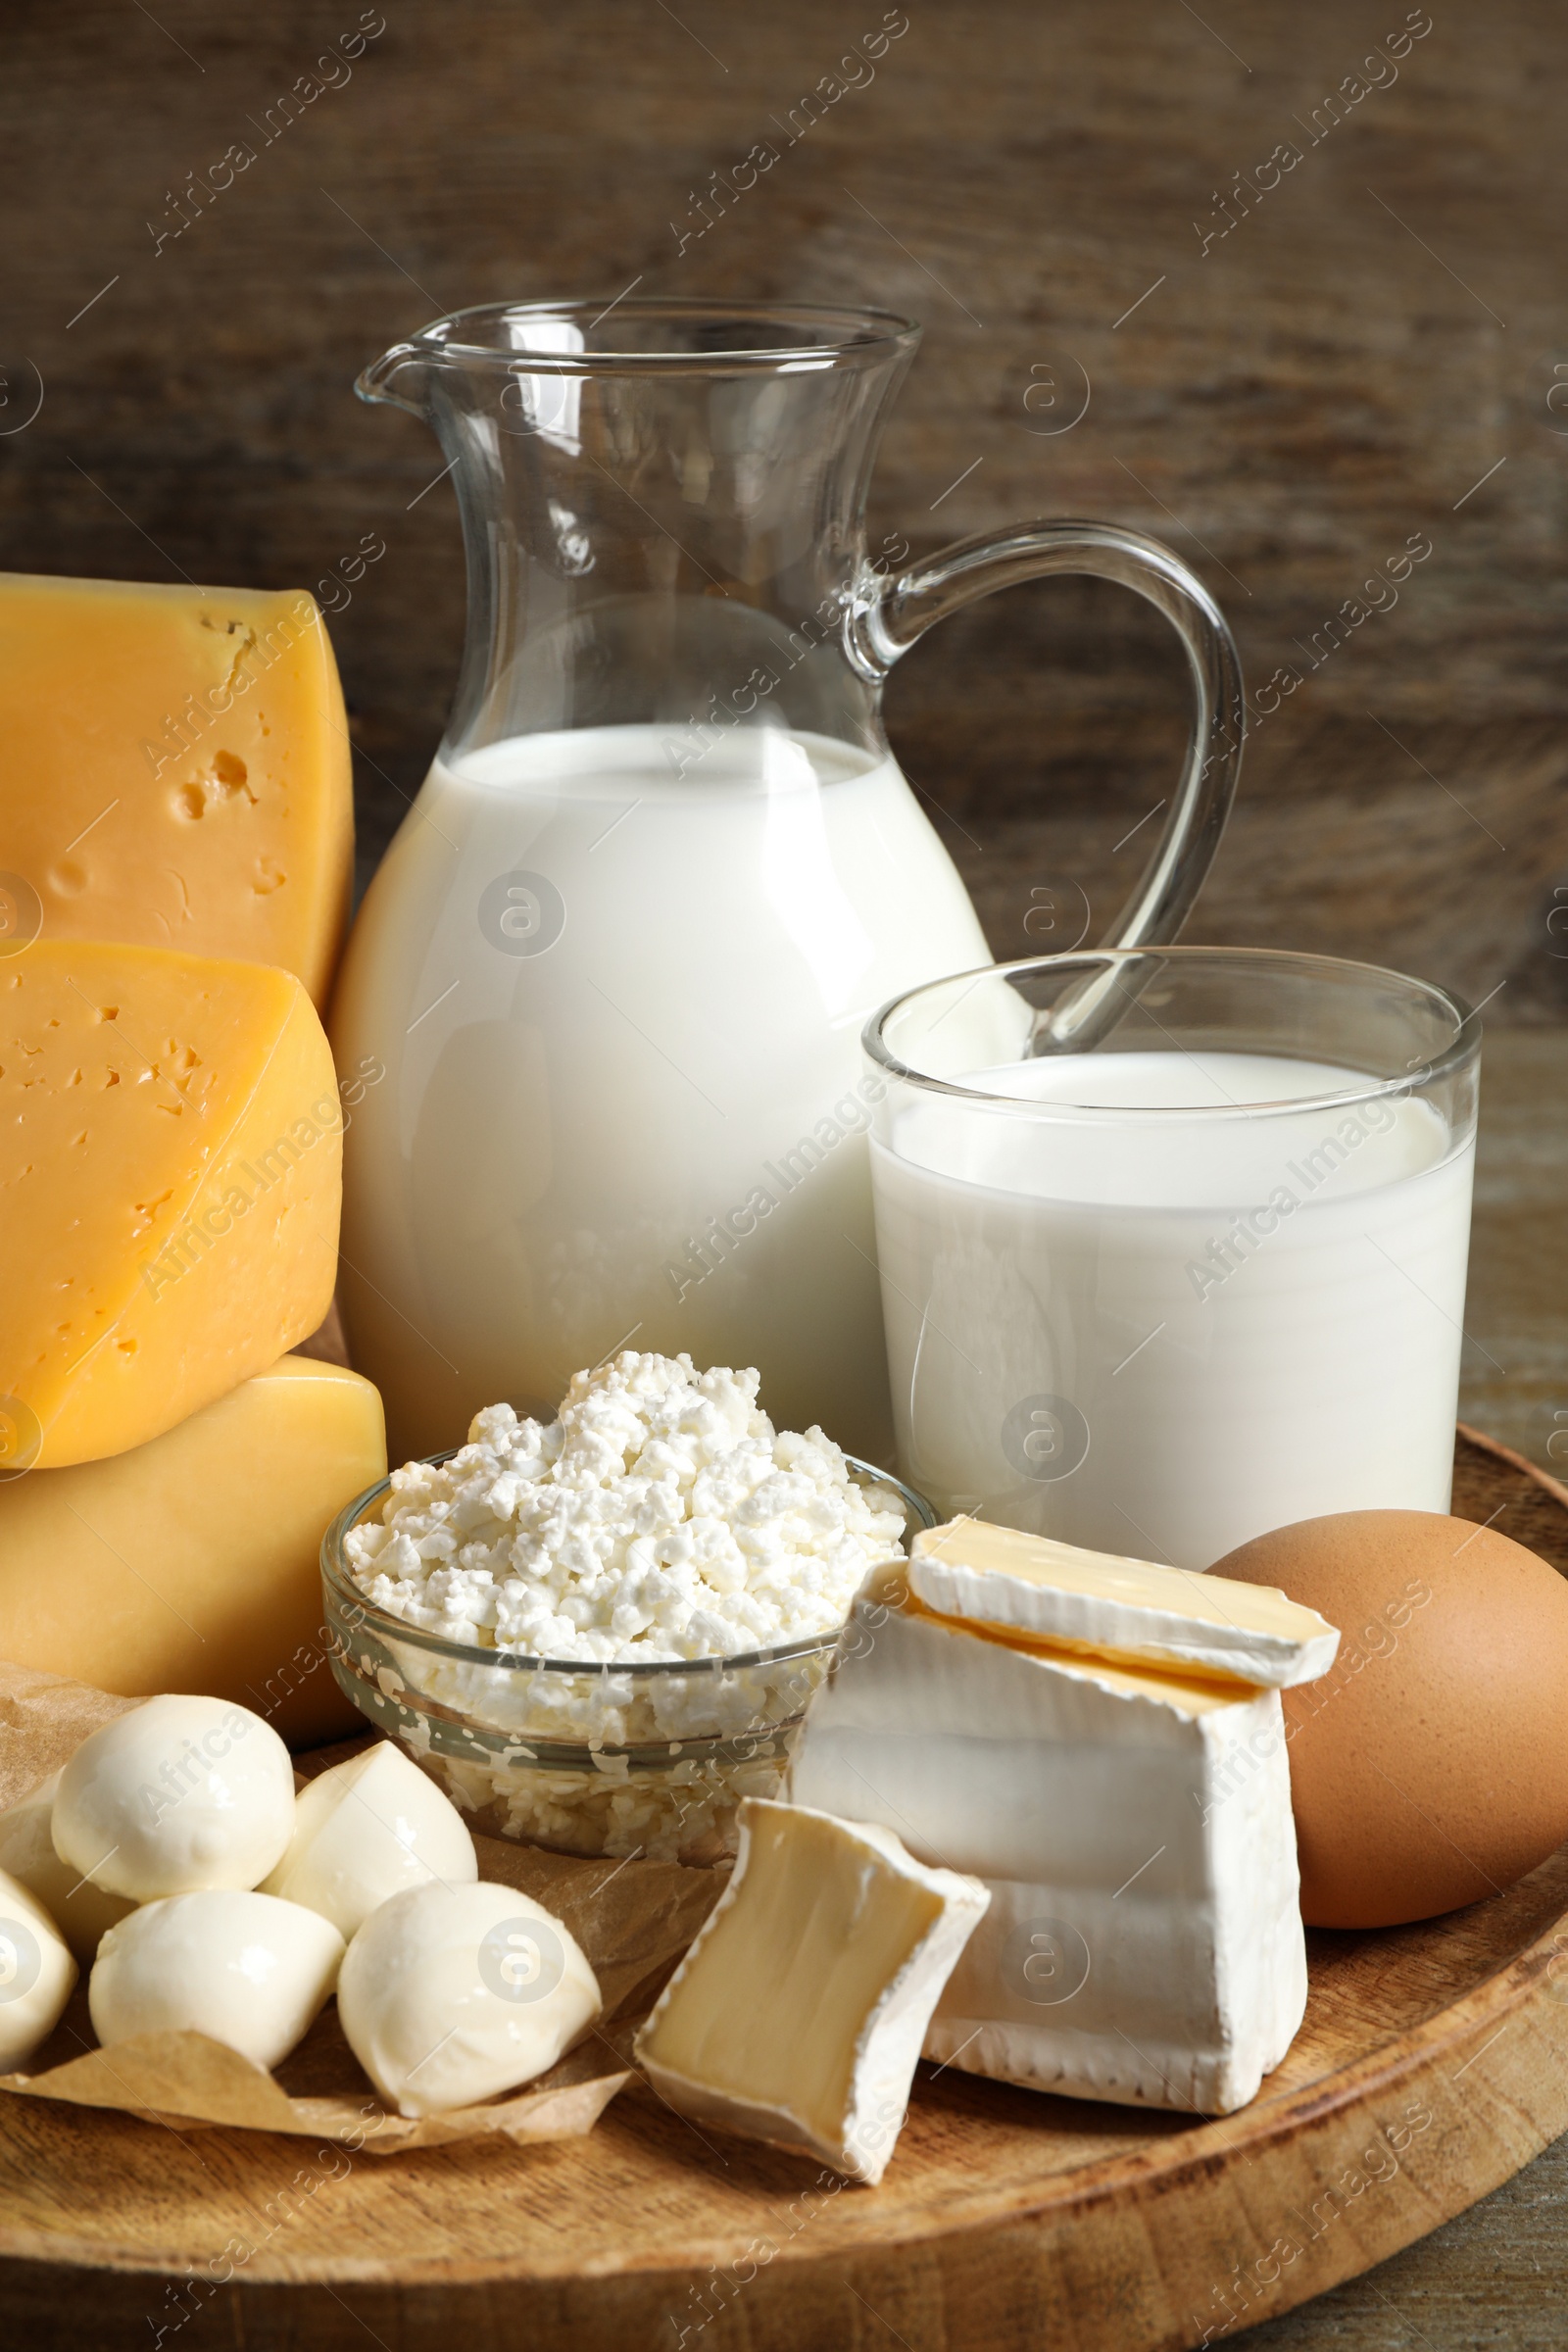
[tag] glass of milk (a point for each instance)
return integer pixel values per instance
(1200, 1281)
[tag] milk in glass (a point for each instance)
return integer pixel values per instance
(1163, 1336)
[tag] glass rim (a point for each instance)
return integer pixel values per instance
(1464, 1046)
(855, 333)
(341, 1586)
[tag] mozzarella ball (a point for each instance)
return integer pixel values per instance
(80, 1910)
(451, 1993)
(180, 1793)
(366, 1830)
(243, 1968)
(37, 1973)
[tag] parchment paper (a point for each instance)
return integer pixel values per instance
(632, 1919)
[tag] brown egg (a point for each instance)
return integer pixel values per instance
(1429, 1767)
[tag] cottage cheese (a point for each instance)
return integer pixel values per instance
(659, 1518)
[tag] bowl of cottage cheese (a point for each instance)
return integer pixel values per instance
(599, 1633)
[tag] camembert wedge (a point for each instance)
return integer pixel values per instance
(797, 2016)
(1132, 1824)
(1053, 1592)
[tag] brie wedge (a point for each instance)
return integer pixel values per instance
(797, 2017)
(1053, 1592)
(1133, 1825)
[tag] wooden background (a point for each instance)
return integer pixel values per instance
(1287, 407)
(1367, 355)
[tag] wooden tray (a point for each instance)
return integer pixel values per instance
(1433, 2064)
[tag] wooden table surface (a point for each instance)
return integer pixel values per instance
(1376, 349)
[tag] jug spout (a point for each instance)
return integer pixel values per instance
(397, 380)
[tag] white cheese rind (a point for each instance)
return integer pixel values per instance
(1144, 1941)
(887, 2043)
(1054, 1592)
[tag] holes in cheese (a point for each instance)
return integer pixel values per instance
(1044, 1591)
(798, 2014)
(176, 770)
(170, 1148)
(192, 1563)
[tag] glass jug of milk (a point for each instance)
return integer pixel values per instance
(616, 962)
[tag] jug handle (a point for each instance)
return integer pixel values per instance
(887, 612)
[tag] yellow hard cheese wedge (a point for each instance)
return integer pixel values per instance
(175, 771)
(170, 1148)
(191, 1564)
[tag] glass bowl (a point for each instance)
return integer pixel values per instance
(650, 1759)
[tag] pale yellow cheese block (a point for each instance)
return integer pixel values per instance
(170, 1182)
(175, 771)
(192, 1563)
